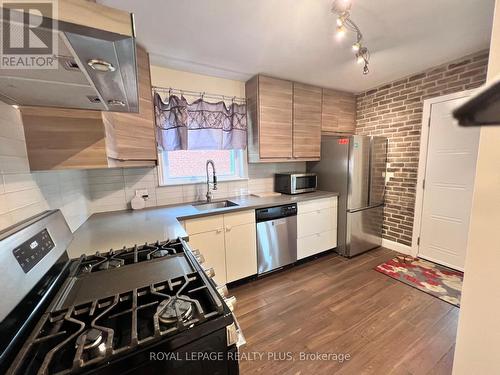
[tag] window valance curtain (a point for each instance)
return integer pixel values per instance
(199, 125)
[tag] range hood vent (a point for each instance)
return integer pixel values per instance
(76, 82)
(483, 108)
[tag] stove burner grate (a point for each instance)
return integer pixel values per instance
(90, 334)
(90, 339)
(172, 310)
(136, 254)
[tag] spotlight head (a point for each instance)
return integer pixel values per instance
(341, 31)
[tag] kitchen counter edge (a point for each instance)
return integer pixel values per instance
(115, 229)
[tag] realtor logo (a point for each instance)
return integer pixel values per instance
(28, 34)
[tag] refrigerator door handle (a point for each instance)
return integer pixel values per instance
(365, 208)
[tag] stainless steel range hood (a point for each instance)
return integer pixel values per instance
(96, 66)
(483, 108)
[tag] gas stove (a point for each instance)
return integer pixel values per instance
(110, 312)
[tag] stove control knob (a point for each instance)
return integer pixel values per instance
(210, 272)
(222, 290)
(196, 252)
(230, 302)
(200, 258)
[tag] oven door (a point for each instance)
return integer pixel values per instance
(302, 183)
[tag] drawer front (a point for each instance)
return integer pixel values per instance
(204, 224)
(239, 218)
(315, 205)
(316, 222)
(316, 243)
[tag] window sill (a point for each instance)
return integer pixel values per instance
(200, 181)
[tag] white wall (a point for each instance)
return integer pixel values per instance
(171, 78)
(24, 194)
(477, 349)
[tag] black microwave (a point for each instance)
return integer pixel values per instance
(295, 183)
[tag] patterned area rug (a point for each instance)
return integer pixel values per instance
(431, 278)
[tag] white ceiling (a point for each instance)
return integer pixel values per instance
(294, 39)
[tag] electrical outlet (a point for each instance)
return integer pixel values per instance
(142, 193)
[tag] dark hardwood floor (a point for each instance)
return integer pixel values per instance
(336, 305)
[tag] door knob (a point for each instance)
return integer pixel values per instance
(228, 228)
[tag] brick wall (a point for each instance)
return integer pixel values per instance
(394, 110)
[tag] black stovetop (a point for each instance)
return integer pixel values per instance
(116, 303)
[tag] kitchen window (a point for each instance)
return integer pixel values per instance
(184, 167)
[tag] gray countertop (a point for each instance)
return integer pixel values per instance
(113, 230)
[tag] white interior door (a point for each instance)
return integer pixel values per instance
(449, 181)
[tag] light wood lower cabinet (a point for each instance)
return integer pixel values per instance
(211, 245)
(316, 243)
(316, 221)
(316, 226)
(227, 242)
(241, 252)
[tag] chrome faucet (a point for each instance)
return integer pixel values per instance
(214, 180)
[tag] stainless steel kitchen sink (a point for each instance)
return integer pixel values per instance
(213, 205)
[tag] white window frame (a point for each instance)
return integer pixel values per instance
(241, 171)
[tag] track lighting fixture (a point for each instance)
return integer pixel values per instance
(342, 8)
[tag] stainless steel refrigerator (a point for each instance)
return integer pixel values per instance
(355, 167)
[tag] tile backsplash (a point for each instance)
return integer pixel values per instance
(112, 189)
(80, 193)
(24, 194)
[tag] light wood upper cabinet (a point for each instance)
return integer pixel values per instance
(131, 136)
(306, 121)
(338, 113)
(58, 138)
(270, 115)
(285, 119)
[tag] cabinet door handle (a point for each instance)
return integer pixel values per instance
(219, 230)
(228, 228)
(318, 211)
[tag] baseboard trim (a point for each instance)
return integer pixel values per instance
(400, 248)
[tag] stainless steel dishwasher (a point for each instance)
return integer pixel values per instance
(276, 237)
